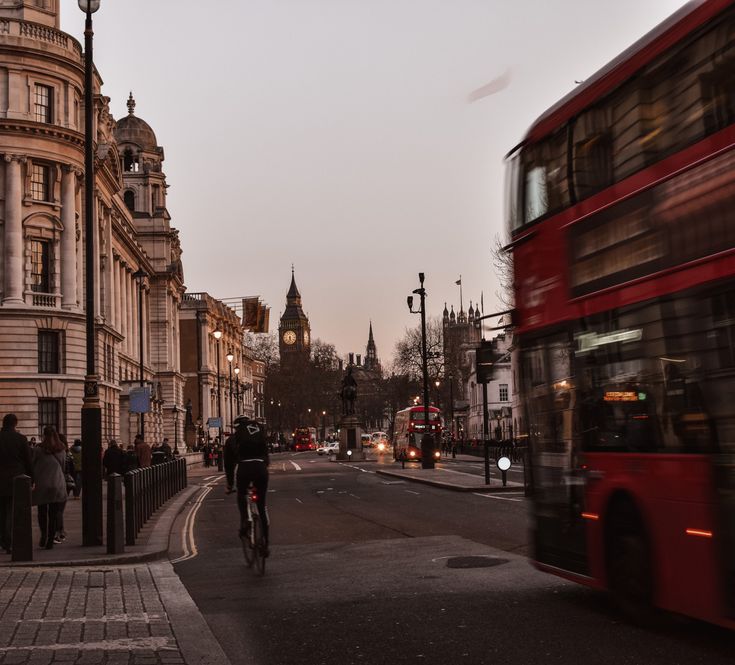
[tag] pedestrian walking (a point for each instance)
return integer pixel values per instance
(166, 448)
(76, 453)
(143, 450)
(49, 492)
(60, 535)
(131, 459)
(32, 442)
(113, 460)
(15, 460)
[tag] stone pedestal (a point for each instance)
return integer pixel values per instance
(350, 440)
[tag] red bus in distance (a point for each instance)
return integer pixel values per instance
(408, 428)
(621, 211)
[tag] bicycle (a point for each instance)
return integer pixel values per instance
(253, 543)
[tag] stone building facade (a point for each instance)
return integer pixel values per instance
(213, 391)
(42, 243)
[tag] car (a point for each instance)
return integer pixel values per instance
(328, 448)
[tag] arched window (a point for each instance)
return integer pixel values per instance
(129, 198)
(130, 161)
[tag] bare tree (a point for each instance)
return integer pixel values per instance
(264, 347)
(407, 356)
(503, 267)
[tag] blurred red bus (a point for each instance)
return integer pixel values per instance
(304, 438)
(622, 218)
(409, 427)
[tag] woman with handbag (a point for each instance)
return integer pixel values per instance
(49, 492)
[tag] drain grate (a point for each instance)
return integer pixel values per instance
(475, 561)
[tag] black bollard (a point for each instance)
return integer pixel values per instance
(22, 529)
(130, 533)
(115, 541)
(487, 461)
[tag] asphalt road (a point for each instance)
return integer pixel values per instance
(362, 571)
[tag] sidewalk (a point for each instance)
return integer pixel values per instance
(447, 478)
(151, 542)
(79, 605)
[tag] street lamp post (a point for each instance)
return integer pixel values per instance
(324, 425)
(427, 441)
(217, 336)
(451, 414)
(140, 275)
(91, 411)
(175, 410)
(230, 357)
(238, 394)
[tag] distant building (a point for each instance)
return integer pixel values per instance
(294, 331)
(371, 404)
(499, 393)
(460, 337)
(212, 395)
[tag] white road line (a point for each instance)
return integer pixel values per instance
(354, 496)
(352, 466)
(296, 466)
(412, 492)
(299, 500)
(495, 496)
(284, 466)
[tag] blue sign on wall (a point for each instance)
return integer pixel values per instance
(140, 399)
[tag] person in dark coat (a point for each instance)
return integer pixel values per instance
(15, 460)
(49, 492)
(130, 459)
(114, 459)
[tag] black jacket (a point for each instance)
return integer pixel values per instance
(114, 460)
(247, 443)
(15, 460)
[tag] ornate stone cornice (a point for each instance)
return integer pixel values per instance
(64, 134)
(15, 158)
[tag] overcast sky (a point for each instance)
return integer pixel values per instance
(337, 135)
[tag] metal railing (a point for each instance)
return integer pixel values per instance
(146, 490)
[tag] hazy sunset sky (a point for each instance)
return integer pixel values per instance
(337, 135)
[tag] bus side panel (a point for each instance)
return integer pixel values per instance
(677, 491)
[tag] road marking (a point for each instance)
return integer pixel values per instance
(187, 533)
(354, 496)
(296, 466)
(284, 466)
(352, 466)
(299, 500)
(412, 492)
(495, 496)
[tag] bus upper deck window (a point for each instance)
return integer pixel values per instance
(537, 200)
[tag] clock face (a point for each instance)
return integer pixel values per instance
(289, 337)
(306, 336)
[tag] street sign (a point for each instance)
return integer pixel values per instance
(214, 422)
(140, 399)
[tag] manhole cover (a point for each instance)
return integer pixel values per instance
(474, 561)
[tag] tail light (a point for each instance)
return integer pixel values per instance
(437, 454)
(254, 496)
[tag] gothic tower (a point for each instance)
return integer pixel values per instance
(371, 352)
(294, 332)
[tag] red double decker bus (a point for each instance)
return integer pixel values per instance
(622, 218)
(409, 427)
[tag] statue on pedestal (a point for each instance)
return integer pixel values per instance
(348, 393)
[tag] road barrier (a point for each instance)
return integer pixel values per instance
(146, 490)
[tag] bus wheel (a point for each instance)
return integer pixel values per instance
(629, 567)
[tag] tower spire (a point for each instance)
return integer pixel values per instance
(131, 104)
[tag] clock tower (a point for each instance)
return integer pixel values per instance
(294, 332)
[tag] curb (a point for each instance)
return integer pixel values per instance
(158, 542)
(196, 641)
(450, 486)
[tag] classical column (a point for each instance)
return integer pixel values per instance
(97, 271)
(129, 306)
(118, 296)
(68, 239)
(13, 231)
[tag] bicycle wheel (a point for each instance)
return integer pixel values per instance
(259, 549)
(247, 546)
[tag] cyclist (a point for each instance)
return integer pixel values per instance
(247, 450)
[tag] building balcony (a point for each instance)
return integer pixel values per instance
(22, 33)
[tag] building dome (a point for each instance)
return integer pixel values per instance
(132, 129)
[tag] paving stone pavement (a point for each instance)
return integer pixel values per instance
(100, 615)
